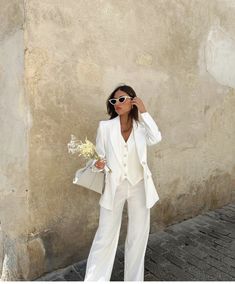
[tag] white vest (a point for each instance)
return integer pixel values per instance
(131, 166)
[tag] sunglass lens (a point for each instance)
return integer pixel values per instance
(121, 100)
(112, 101)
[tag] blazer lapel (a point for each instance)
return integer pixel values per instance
(116, 136)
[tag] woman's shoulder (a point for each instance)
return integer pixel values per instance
(107, 121)
(103, 123)
(112, 120)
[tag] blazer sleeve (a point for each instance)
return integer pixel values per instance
(153, 134)
(100, 148)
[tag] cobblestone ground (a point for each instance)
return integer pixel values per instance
(201, 248)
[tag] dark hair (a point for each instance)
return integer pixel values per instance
(129, 91)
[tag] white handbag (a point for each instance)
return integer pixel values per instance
(85, 177)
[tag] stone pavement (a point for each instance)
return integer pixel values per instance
(198, 249)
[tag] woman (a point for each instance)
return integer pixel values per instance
(121, 142)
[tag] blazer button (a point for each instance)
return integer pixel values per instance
(143, 162)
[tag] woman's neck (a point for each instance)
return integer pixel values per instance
(125, 120)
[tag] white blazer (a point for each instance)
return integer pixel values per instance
(107, 146)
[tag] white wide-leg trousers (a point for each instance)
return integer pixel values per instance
(103, 250)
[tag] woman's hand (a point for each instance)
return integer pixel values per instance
(139, 103)
(100, 164)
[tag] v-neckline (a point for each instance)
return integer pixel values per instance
(128, 136)
(120, 131)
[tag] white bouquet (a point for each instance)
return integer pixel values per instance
(86, 150)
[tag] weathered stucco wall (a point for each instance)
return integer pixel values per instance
(178, 56)
(14, 125)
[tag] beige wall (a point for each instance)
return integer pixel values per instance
(14, 139)
(179, 57)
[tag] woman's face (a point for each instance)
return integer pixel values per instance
(122, 108)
